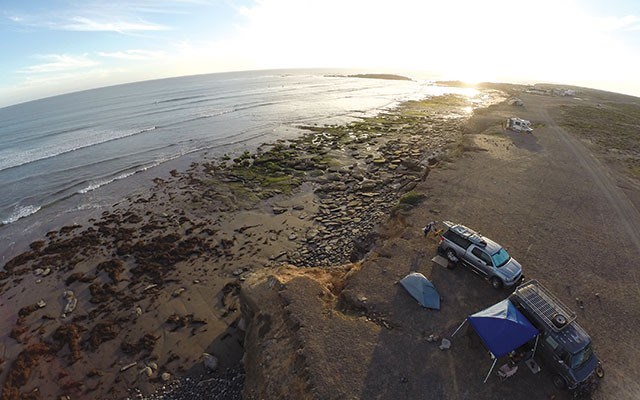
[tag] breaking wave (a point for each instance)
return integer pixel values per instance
(21, 212)
(92, 138)
(95, 185)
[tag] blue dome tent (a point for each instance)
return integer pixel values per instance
(502, 328)
(422, 290)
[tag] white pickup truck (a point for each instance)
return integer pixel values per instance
(482, 255)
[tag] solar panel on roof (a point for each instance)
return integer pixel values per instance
(549, 308)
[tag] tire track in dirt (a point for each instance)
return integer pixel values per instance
(628, 214)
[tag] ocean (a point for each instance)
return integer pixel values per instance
(86, 149)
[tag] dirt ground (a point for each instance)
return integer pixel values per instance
(569, 218)
(199, 264)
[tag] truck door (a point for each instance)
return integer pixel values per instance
(553, 354)
(481, 261)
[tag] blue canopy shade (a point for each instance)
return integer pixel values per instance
(502, 328)
(422, 290)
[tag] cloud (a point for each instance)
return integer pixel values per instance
(58, 63)
(93, 16)
(92, 25)
(631, 23)
(612, 24)
(133, 54)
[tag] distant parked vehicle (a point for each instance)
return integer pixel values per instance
(563, 345)
(482, 255)
(518, 125)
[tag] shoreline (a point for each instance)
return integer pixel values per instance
(212, 131)
(155, 279)
(81, 207)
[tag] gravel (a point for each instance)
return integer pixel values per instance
(224, 385)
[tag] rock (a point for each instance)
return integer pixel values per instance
(238, 272)
(165, 376)
(153, 366)
(38, 271)
(149, 287)
(41, 303)
(411, 165)
(242, 324)
(137, 311)
(126, 367)
(275, 257)
(210, 361)
(293, 236)
(368, 185)
(146, 371)
(71, 300)
(178, 292)
(279, 210)
(445, 345)
(46, 271)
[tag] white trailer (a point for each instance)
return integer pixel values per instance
(519, 125)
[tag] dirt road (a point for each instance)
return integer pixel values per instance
(604, 183)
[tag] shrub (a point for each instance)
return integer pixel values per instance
(412, 198)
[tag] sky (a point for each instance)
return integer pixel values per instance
(50, 47)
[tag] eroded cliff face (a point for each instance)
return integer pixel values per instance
(300, 328)
(314, 333)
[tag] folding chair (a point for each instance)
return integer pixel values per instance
(507, 371)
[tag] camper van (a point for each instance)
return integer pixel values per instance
(519, 125)
(563, 345)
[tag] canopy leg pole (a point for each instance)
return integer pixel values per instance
(463, 322)
(492, 366)
(535, 346)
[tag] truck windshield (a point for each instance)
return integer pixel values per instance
(578, 359)
(500, 258)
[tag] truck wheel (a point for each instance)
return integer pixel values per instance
(559, 382)
(496, 283)
(600, 371)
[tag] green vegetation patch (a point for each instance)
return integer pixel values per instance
(447, 100)
(412, 198)
(283, 166)
(613, 127)
(279, 169)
